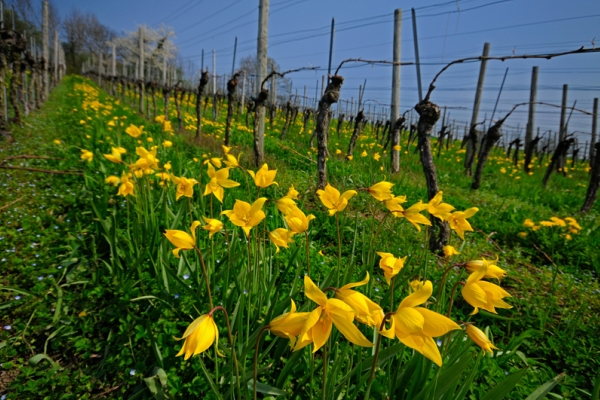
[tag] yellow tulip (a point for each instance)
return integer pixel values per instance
(167, 143)
(281, 237)
(245, 215)
(390, 265)
(493, 271)
(317, 328)
(147, 161)
(226, 149)
(458, 221)
(127, 187)
(438, 209)
(289, 325)
(297, 220)
(182, 240)
(112, 180)
(365, 310)
(232, 162)
(331, 198)
(285, 205)
(382, 191)
(114, 156)
(376, 156)
(417, 326)
(480, 338)
(185, 186)
(212, 226)
(481, 294)
(214, 161)
(218, 180)
(263, 177)
(292, 193)
(134, 131)
(199, 336)
(87, 155)
(528, 223)
(450, 251)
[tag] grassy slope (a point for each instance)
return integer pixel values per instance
(555, 306)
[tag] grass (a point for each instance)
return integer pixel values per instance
(92, 297)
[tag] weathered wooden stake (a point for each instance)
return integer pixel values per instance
(261, 61)
(593, 153)
(395, 109)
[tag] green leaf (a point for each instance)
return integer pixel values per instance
(17, 290)
(543, 390)
(266, 389)
(210, 380)
(35, 360)
(502, 389)
(596, 391)
(447, 378)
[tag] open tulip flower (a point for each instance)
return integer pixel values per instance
(231, 161)
(417, 326)
(212, 226)
(114, 156)
(263, 177)
(199, 336)
(493, 271)
(218, 180)
(182, 240)
(147, 161)
(412, 213)
(331, 198)
(450, 251)
(382, 191)
(292, 193)
(438, 209)
(366, 311)
(297, 220)
(185, 186)
(482, 294)
(246, 216)
(318, 325)
(134, 131)
(480, 338)
(87, 155)
(289, 325)
(458, 221)
(127, 187)
(390, 265)
(216, 161)
(281, 237)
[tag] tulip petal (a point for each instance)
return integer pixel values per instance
(313, 292)
(350, 331)
(436, 324)
(418, 297)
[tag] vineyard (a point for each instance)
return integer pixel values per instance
(168, 239)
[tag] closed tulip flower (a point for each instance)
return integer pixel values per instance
(297, 220)
(199, 336)
(87, 155)
(127, 187)
(114, 156)
(281, 237)
(212, 226)
(382, 191)
(493, 271)
(365, 310)
(182, 240)
(134, 131)
(390, 265)
(480, 338)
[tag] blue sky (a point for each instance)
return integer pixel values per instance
(299, 36)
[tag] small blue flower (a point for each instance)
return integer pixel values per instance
(186, 276)
(17, 297)
(439, 343)
(7, 327)
(40, 278)
(132, 372)
(176, 295)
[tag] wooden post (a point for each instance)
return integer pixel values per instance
(331, 46)
(243, 94)
(141, 69)
(562, 131)
(45, 50)
(55, 56)
(214, 53)
(395, 109)
(261, 61)
(473, 133)
(594, 133)
(234, 53)
(417, 58)
(532, 100)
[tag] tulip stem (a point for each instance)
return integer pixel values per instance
(452, 297)
(307, 253)
(205, 275)
(324, 370)
(237, 371)
(442, 285)
(264, 328)
(337, 222)
(372, 374)
(392, 293)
